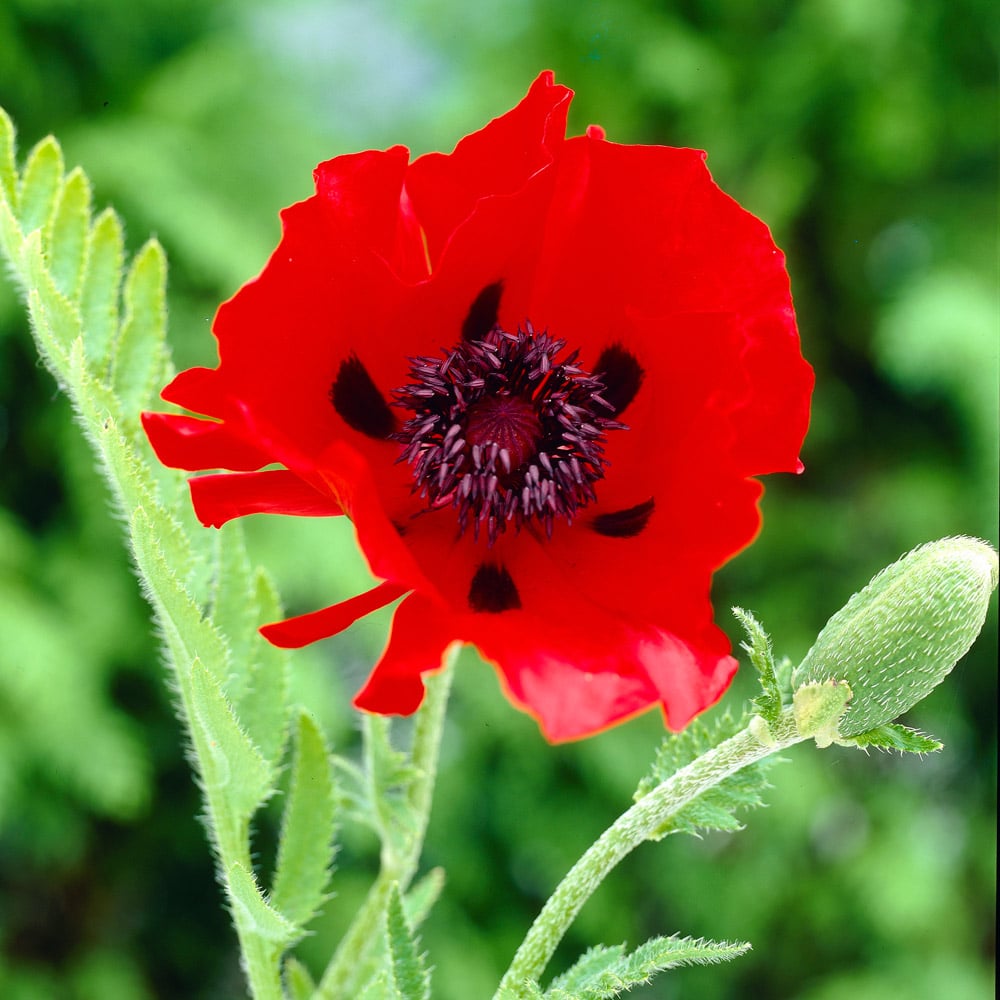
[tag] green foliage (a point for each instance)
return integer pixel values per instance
(716, 808)
(308, 829)
(408, 978)
(757, 646)
(862, 134)
(895, 737)
(607, 972)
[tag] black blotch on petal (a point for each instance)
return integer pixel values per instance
(358, 401)
(492, 590)
(622, 376)
(482, 315)
(624, 523)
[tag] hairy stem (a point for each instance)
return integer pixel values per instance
(626, 833)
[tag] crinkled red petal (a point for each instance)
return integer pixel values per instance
(421, 632)
(495, 161)
(218, 499)
(304, 629)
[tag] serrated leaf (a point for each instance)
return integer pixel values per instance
(522, 991)
(11, 238)
(234, 609)
(424, 894)
(52, 350)
(232, 766)
(264, 705)
(715, 808)
(40, 183)
(55, 317)
(306, 846)
(187, 632)
(896, 737)
(758, 647)
(379, 988)
(390, 774)
(299, 984)
(409, 974)
(140, 351)
(102, 278)
(253, 912)
(68, 233)
(603, 973)
(8, 160)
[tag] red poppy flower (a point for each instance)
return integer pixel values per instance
(538, 375)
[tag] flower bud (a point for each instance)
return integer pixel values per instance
(897, 639)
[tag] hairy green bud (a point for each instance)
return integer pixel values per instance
(897, 639)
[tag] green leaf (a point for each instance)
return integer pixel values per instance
(40, 184)
(522, 991)
(8, 160)
(390, 773)
(252, 912)
(603, 973)
(102, 278)
(308, 828)
(11, 238)
(232, 767)
(188, 634)
(896, 737)
(56, 321)
(409, 976)
(140, 353)
(68, 234)
(424, 894)
(299, 984)
(716, 808)
(758, 647)
(263, 705)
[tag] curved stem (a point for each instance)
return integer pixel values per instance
(340, 980)
(626, 833)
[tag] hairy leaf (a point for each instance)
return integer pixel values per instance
(263, 704)
(68, 233)
(8, 152)
(140, 354)
(299, 984)
(306, 847)
(253, 912)
(716, 808)
(231, 765)
(757, 646)
(102, 278)
(606, 972)
(419, 900)
(409, 974)
(40, 184)
(895, 737)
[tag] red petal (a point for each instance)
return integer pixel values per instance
(495, 161)
(421, 632)
(218, 499)
(193, 444)
(293, 633)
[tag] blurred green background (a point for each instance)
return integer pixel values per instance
(865, 135)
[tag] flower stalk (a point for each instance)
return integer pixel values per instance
(636, 825)
(340, 980)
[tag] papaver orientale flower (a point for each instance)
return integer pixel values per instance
(538, 374)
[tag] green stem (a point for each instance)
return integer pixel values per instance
(340, 980)
(626, 833)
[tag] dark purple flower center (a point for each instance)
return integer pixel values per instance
(505, 431)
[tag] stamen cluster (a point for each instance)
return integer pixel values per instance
(505, 432)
